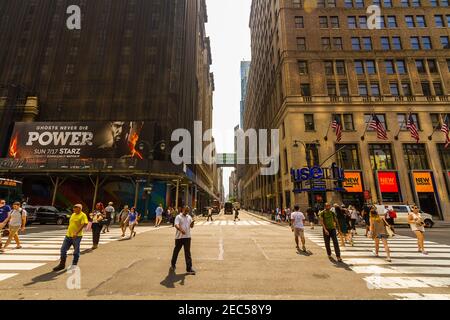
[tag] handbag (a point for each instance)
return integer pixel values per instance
(389, 231)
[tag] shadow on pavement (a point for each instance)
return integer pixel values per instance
(172, 278)
(340, 265)
(50, 276)
(305, 253)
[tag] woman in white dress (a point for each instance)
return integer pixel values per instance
(417, 225)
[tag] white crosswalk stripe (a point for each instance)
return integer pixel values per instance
(38, 249)
(232, 223)
(409, 268)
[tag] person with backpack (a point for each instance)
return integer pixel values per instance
(97, 218)
(17, 220)
(4, 212)
(390, 216)
(109, 217)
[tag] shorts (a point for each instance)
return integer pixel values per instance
(123, 224)
(382, 236)
(13, 230)
(299, 232)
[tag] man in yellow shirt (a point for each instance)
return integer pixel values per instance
(78, 221)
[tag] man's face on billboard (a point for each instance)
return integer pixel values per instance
(117, 130)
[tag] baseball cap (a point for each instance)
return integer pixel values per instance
(78, 206)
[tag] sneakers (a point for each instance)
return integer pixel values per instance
(339, 260)
(61, 266)
(424, 253)
(304, 249)
(191, 272)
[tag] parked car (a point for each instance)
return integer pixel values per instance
(403, 212)
(47, 214)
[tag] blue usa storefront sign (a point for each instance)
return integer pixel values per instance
(318, 179)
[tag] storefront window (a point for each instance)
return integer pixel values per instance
(381, 157)
(348, 158)
(416, 157)
(444, 154)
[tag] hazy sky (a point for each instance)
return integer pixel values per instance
(230, 43)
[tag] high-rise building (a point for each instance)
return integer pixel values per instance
(245, 68)
(315, 62)
(135, 65)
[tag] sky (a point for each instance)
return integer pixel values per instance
(228, 29)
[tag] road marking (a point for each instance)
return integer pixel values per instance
(420, 296)
(379, 282)
(6, 257)
(20, 266)
(221, 250)
(4, 276)
(260, 249)
(382, 261)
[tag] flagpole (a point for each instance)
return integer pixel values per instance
(367, 127)
(435, 128)
(404, 122)
(328, 130)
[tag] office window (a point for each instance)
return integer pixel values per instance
(301, 44)
(343, 89)
(299, 23)
(348, 3)
(415, 44)
(438, 90)
(348, 122)
(448, 21)
(387, 3)
(334, 21)
(392, 22)
(381, 157)
(337, 44)
(309, 122)
(380, 116)
(406, 87)
(426, 89)
(323, 22)
(420, 65)
(445, 43)
(329, 68)
(436, 120)
(320, 3)
(326, 44)
(448, 65)
(297, 3)
(351, 21)
(389, 64)
(434, 3)
(362, 89)
(439, 21)
(409, 20)
(432, 66)
(348, 157)
(415, 3)
(359, 67)
(416, 157)
(396, 43)
(367, 42)
(381, 20)
(376, 2)
(403, 118)
(305, 90)
(356, 45)
(385, 43)
(362, 22)
(331, 88)
(302, 67)
(340, 67)
(444, 154)
(359, 3)
(421, 22)
(426, 43)
(394, 89)
(405, 3)
(371, 68)
(331, 3)
(401, 67)
(444, 3)
(374, 90)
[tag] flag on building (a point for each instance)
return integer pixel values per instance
(411, 126)
(446, 130)
(337, 127)
(376, 125)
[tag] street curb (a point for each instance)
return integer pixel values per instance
(266, 219)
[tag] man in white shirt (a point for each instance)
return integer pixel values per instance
(298, 227)
(183, 223)
(17, 220)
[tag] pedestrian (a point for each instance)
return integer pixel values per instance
(342, 223)
(183, 223)
(4, 212)
(78, 221)
(236, 214)
(16, 220)
(174, 214)
(378, 232)
(110, 213)
(329, 223)
(298, 227)
(159, 213)
(97, 218)
(311, 217)
(390, 216)
(277, 215)
(366, 217)
(354, 216)
(288, 216)
(132, 221)
(417, 225)
(210, 214)
(123, 215)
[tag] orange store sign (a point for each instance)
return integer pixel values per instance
(353, 182)
(423, 182)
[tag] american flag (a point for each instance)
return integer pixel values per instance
(446, 130)
(411, 126)
(376, 124)
(337, 127)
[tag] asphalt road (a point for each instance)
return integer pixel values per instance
(252, 259)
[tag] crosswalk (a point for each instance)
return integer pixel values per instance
(409, 269)
(242, 223)
(39, 249)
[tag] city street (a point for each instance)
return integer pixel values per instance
(250, 259)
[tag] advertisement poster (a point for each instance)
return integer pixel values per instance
(388, 182)
(353, 182)
(423, 182)
(79, 140)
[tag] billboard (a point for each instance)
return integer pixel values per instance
(79, 140)
(353, 182)
(423, 182)
(388, 182)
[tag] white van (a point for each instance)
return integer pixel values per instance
(403, 212)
